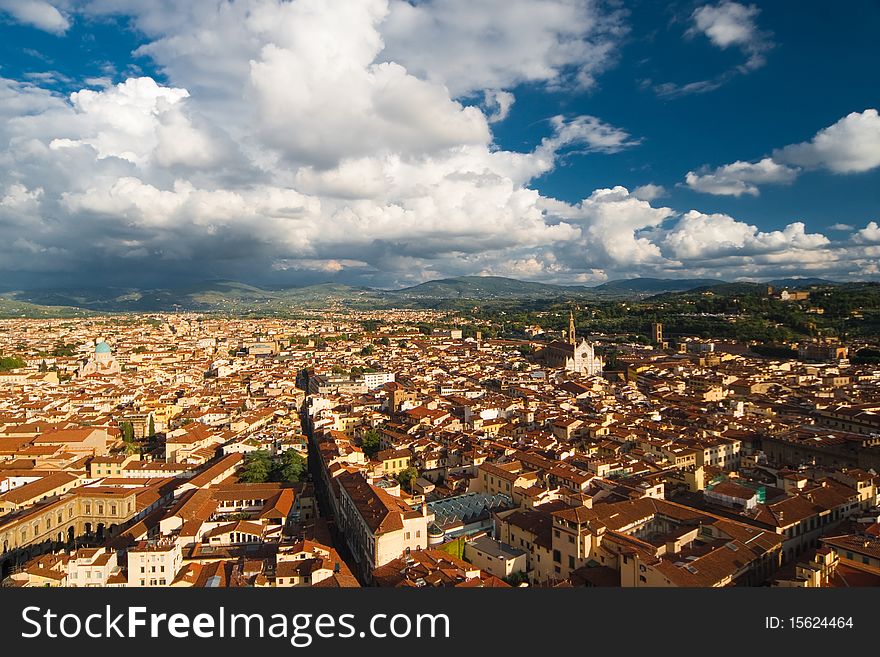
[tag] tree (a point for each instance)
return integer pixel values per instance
(407, 477)
(385, 342)
(10, 363)
(152, 430)
(367, 350)
(371, 325)
(257, 467)
(402, 344)
(290, 467)
(371, 442)
(127, 431)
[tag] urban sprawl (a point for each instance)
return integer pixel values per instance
(190, 450)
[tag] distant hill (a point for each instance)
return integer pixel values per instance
(236, 297)
(484, 287)
(656, 285)
(211, 296)
(12, 309)
(799, 283)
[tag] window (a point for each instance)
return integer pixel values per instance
(571, 562)
(571, 539)
(642, 579)
(557, 557)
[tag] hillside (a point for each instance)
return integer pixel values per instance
(484, 287)
(656, 285)
(449, 293)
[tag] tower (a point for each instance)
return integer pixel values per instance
(571, 336)
(658, 332)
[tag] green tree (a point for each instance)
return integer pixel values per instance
(370, 443)
(407, 477)
(62, 349)
(10, 363)
(257, 467)
(370, 325)
(385, 342)
(289, 468)
(367, 350)
(152, 430)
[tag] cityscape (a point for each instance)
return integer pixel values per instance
(419, 448)
(536, 294)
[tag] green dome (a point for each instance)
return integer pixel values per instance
(102, 348)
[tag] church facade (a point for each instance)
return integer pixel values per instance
(579, 357)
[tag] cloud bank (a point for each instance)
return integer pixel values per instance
(302, 140)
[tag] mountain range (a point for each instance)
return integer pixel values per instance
(236, 297)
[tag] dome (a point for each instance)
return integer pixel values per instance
(102, 348)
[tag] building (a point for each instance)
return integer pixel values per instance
(579, 357)
(101, 362)
(377, 526)
(154, 563)
(495, 557)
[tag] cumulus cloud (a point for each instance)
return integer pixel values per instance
(740, 177)
(307, 138)
(870, 234)
(472, 46)
(698, 235)
(36, 13)
(852, 145)
(649, 192)
(726, 25)
(732, 24)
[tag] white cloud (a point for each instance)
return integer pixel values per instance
(732, 24)
(843, 227)
(289, 139)
(496, 44)
(611, 222)
(852, 145)
(589, 132)
(699, 236)
(870, 234)
(649, 192)
(36, 13)
(740, 177)
(498, 103)
(726, 24)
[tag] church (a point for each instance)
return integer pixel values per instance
(101, 362)
(579, 357)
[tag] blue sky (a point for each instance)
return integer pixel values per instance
(358, 140)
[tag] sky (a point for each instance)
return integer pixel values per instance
(386, 143)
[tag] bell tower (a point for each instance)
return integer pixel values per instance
(571, 332)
